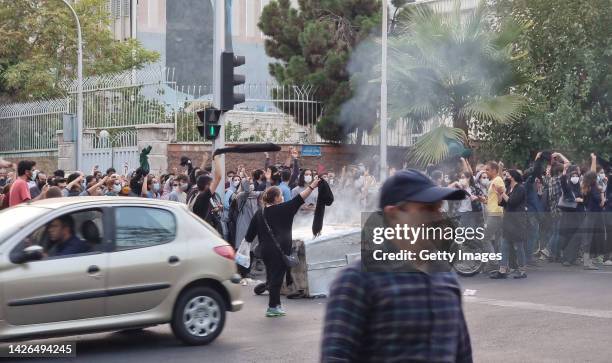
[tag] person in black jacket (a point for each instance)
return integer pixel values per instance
(572, 212)
(273, 225)
(200, 203)
(514, 225)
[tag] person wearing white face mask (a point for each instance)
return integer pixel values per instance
(470, 206)
(113, 187)
(179, 187)
(229, 196)
(601, 179)
(156, 186)
(572, 211)
(305, 178)
(150, 187)
(484, 180)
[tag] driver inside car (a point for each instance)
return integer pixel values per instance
(62, 238)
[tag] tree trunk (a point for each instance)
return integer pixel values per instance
(460, 122)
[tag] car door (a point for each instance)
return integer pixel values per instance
(59, 288)
(146, 260)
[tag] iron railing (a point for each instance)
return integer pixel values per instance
(31, 126)
(117, 138)
(114, 102)
(262, 117)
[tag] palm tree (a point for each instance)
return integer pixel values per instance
(451, 67)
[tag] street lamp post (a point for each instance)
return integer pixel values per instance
(383, 96)
(79, 145)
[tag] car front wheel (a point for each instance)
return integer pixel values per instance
(199, 316)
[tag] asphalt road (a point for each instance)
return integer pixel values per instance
(555, 315)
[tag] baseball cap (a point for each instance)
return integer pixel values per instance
(411, 185)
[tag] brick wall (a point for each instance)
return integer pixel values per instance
(333, 157)
(48, 164)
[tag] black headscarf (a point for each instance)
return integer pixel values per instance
(516, 176)
(247, 148)
(325, 198)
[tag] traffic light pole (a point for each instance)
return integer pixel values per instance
(383, 96)
(222, 42)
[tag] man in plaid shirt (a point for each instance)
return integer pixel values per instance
(399, 315)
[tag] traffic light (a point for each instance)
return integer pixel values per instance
(229, 61)
(209, 129)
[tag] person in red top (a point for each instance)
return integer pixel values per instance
(19, 190)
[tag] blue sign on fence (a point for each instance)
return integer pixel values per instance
(311, 150)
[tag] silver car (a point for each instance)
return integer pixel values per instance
(89, 264)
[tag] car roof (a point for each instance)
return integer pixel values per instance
(54, 203)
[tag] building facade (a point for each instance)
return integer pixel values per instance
(122, 18)
(181, 31)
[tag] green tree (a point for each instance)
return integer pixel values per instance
(569, 47)
(313, 45)
(451, 67)
(38, 46)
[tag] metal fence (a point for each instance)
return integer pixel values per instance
(115, 138)
(117, 149)
(113, 101)
(270, 113)
(124, 99)
(31, 126)
(402, 132)
(282, 114)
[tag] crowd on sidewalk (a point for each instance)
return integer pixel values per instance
(555, 210)
(551, 211)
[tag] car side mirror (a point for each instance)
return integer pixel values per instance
(30, 253)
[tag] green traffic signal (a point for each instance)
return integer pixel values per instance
(209, 128)
(212, 131)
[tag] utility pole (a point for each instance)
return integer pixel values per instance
(79, 145)
(222, 42)
(133, 32)
(383, 96)
(224, 79)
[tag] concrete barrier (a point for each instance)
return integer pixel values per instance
(322, 257)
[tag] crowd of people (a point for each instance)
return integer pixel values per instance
(550, 211)
(231, 212)
(555, 210)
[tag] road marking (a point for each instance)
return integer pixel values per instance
(606, 314)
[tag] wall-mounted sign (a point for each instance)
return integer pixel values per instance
(311, 150)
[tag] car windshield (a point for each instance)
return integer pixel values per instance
(13, 219)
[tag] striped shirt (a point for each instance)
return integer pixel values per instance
(395, 317)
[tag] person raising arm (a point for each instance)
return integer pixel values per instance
(273, 225)
(94, 188)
